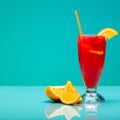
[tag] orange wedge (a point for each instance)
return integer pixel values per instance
(108, 32)
(70, 88)
(79, 100)
(69, 98)
(53, 92)
(70, 94)
(67, 94)
(58, 89)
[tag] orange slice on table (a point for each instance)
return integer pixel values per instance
(53, 92)
(69, 98)
(70, 88)
(79, 100)
(70, 94)
(67, 94)
(58, 89)
(108, 32)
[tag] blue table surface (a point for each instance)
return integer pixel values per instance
(30, 103)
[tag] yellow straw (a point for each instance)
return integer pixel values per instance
(78, 21)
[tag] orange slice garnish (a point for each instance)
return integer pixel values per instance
(108, 33)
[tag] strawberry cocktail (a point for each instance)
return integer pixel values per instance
(91, 54)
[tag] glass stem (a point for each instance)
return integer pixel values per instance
(91, 95)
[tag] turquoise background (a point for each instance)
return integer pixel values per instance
(38, 40)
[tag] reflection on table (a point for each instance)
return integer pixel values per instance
(91, 110)
(91, 116)
(56, 109)
(86, 111)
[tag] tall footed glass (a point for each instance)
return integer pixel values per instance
(91, 54)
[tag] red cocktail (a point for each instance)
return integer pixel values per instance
(91, 53)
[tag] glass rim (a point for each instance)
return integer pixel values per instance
(93, 35)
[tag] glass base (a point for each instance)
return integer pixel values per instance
(93, 98)
(92, 101)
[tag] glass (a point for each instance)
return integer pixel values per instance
(91, 54)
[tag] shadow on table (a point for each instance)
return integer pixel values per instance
(49, 101)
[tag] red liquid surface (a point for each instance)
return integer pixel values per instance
(91, 54)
